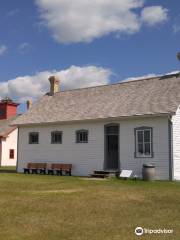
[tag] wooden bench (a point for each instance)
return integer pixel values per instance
(35, 168)
(59, 168)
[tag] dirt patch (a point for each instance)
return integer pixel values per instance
(57, 191)
(95, 179)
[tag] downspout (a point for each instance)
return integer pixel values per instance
(17, 149)
(170, 139)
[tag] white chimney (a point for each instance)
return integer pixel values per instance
(54, 84)
(29, 104)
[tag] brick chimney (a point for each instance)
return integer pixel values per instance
(8, 108)
(54, 85)
(29, 104)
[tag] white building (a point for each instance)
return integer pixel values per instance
(8, 134)
(112, 127)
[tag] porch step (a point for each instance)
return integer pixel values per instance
(104, 174)
(100, 174)
(96, 175)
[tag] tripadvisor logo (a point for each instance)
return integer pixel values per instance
(139, 231)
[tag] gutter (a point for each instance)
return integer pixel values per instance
(109, 119)
(17, 150)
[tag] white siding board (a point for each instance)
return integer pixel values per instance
(176, 144)
(160, 146)
(89, 157)
(83, 156)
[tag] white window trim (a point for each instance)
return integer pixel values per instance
(79, 132)
(137, 154)
(52, 137)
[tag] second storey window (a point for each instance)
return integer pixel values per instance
(143, 142)
(33, 138)
(82, 136)
(56, 137)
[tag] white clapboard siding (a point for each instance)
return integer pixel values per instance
(8, 143)
(85, 157)
(89, 157)
(176, 145)
(160, 146)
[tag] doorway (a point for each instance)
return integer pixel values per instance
(111, 135)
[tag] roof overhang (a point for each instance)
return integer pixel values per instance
(5, 134)
(110, 119)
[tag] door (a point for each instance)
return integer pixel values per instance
(111, 147)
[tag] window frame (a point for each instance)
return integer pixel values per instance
(144, 128)
(11, 153)
(30, 134)
(80, 131)
(55, 132)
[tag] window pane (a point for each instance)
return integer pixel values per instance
(82, 136)
(147, 149)
(33, 138)
(11, 153)
(140, 136)
(56, 137)
(147, 136)
(85, 137)
(140, 148)
(112, 130)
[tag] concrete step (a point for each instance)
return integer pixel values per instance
(101, 172)
(96, 175)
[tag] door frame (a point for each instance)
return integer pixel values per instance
(105, 146)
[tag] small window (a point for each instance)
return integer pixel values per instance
(33, 138)
(2, 112)
(11, 153)
(56, 137)
(82, 136)
(143, 142)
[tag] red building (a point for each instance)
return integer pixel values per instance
(8, 133)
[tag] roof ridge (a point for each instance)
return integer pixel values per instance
(118, 83)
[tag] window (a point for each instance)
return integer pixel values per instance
(11, 153)
(56, 137)
(143, 142)
(2, 112)
(82, 136)
(33, 138)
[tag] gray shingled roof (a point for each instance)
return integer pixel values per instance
(5, 126)
(148, 96)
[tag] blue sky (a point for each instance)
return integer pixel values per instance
(85, 44)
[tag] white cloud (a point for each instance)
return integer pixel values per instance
(173, 72)
(33, 87)
(176, 24)
(3, 49)
(154, 15)
(13, 12)
(150, 75)
(73, 21)
(77, 77)
(176, 28)
(24, 47)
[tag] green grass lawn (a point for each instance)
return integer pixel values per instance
(8, 168)
(51, 207)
